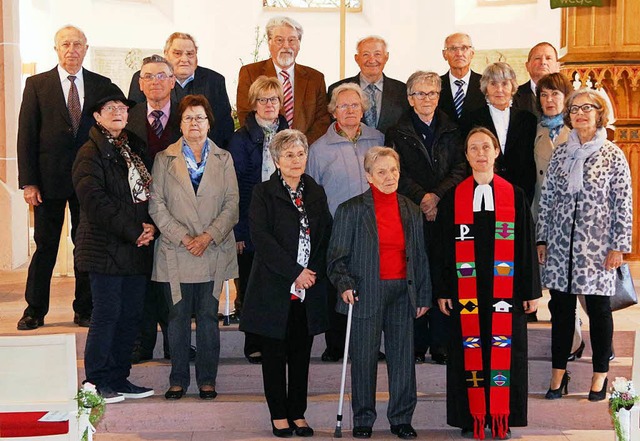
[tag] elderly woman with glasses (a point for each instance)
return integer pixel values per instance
(249, 148)
(335, 162)
(195, 206)
(584, 227)
(431, 162)
(514, 128)
(286, 302)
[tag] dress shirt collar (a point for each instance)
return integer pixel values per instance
(66, 84)
(166, 111)
(533, 87)
(187, 81)
(364, 83)
(465, 86)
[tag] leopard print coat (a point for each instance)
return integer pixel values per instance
(602, 213)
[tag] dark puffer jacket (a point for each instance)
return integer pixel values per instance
(110, 223)
(419, 172)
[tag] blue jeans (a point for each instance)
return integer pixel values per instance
(197, 298)
(115, 322)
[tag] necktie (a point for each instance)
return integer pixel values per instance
(288, 97)
(458, 99)
(156, 126)
(371, 117)
(73, 105)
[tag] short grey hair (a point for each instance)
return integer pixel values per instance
(458, 34)
(64, 28)
(364, 101)
(155, 58)
(286, 139)
(376, 38)
(374, 153)
(499, 71)
(422, 76)
(283, 21)
(179, 36)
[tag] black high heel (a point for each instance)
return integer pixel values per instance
(601, 394)
(554, 394)
(287, 432)
(577, 353)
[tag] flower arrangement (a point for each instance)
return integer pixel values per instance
(91, 408)
(623, 396)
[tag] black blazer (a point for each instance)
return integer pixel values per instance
(474, 99)
(46, 144)
(210, 84)
(517, 164)
(274, 225)
(138, 124)
(525, 99)
(394, 100)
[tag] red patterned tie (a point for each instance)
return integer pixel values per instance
(73, 104)
(288, 97)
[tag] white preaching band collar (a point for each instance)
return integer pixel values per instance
(483, 192)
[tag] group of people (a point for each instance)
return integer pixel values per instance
(441, 241)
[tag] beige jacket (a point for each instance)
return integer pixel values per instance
(177, 211)
(542, 150)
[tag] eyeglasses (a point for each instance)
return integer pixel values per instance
(198, 118)
(273, 100)
(453, 49)
(353, 106)
(279, 41)
(114, 109)
(423, 95)
(160, 76)
(291, 156)
(586, 108)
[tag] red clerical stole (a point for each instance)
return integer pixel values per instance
(502, 303)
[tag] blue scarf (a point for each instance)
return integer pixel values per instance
(195, 170)
(577, 154)
(553, 123)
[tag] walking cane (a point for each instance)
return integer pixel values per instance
(338, 432)
(226, 321)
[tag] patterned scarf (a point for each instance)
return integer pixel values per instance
(501, 319)
(577, 154)
(138, 176)
(304, 237)
(553, 123)
(269, 128)
(340, 131)
(195, 170)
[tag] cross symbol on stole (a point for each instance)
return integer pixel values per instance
(475, 379)
(504, 232)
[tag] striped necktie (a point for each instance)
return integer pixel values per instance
(288, 97)
(73, 105)
(458, 99)
(156, 126)
(371, 116)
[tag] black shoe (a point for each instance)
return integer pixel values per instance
(301, 431)
(466, 433)
(255, 358)
(130, 390)
(439, 358)
(110, 396)
(27, 323)
(533, 317)
(404, 431)
(81, 320)
(577, 354)
(381, 356)
(612, 356)
(208, 394)
(362, 432)
(420, 358)
(554, 394)
(287, 432)
(601, 394)
(329, 357)
(174, 394)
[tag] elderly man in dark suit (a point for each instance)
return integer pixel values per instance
(157, 123)
(305, 100)
(55, 118)
(542, 60)
(182, 52)
(387, 97)
(377, 250)
(460, 93)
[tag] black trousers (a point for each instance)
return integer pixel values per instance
(245, 261)
(334, 337)
(289, 356)
(563, 316)
(156, 312)
(430, 331)
(48, 221)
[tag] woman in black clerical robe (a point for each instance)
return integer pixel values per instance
(489, 281)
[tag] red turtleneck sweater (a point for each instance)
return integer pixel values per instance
(393, 255)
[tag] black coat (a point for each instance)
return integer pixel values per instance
(419, 172)
(46, 144)
(139, 125)
(525, 99)
(473, 100)
(110, 223)
(274, 223)
(516, 164)
(246, 150)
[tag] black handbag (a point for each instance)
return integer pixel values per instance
(625, 294)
